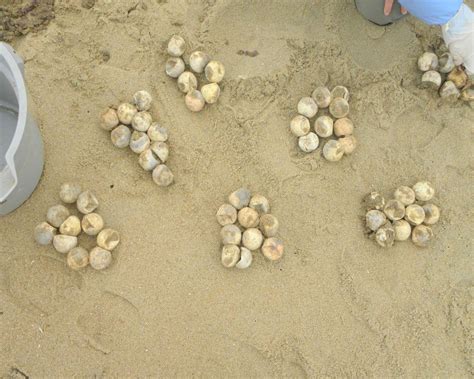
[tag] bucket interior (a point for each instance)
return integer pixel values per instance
(8, 116)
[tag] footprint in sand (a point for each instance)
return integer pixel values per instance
(42, 284)
(110, 323)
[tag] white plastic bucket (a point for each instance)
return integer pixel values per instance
(21, 147)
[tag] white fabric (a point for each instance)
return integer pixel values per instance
(458, 35)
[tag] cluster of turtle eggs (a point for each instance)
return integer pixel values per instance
(337, 104)
(441, 74)
(247, 226)
(62, 229)
(131, 125)
(409, 214)
(199, 62)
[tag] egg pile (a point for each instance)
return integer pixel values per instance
(442, 75)
(131, 125)
(200, 63)
(336, 102)
(247, 226)
(62, 229)
(410, 213)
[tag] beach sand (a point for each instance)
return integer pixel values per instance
(336, 305)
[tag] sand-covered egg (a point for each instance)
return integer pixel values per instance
(432, 214)
(195, 101)
(226, 215)
(252, 239)
(339, 107)
(71, 226)
(56, 215)
(100, 258)
(374, 219)
(374, 200)
(446, 63)
(44, 233)
(92, 224)
(69, 192)
(187, 82)
(63, 244)
(240, 198)
(230, 255)
(245, 259)
(176, 46)
(405, 195)
(157, 133)
(349, 144)
(214, 71)
(198, 60)
(211, 93)
(424, 191)
(87, 202)
(161, 150)
(273, 249)
(148, 160)
(248, 217)
(343, 127)
(142, 121)
(322, 96)
(162, 176)
(431, 80)
(324, 126)
(402, 230)
(120, 136)
(422, 235)
(340, 91)
(333, 151)
(109, 119)
(142, 100)
(139, 142)
(458, 77)
(126, 112)
(231, 235)
(385, 235)
(308, 143)
(307, 107)
(300, 126)
(414, 214)
(260, 203)
(269, 225)
(394, 210)
(449, 91)
(77, 258)
(174, 67)
(428, 61)
(108, 239)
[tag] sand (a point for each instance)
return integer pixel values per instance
(336, 305)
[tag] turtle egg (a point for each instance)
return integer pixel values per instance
(431, 79)
(230, 255)
(176, 46)
(56, 215)
(446, 63)
(414, 214)
(324, 126)
(322, 96)
(108, 239)
(394, 210)
(252, 239)
(87, 202)
(333, 151)
(69, 192)
(245, 258)
(44, 233)
(458, 77)
(374, 219)
(374, 200)
(343, 127)
(198, 61)
(467, 94)
(195, 101)
(260, 204)
(240, 198)
(92, 224)
(214, 71)
(424, 191)
(109, 119)
(402, 230)
(340, 91)
(269, 225)
(63, 244)
(120, 136)
(211, 92)
(162, 175)
(300, 126)
(248, 217)
(307, 107)
(142, 100)
(139, 142)
(142, 121)
(148, 160)
(231, 235)
(422, 235)
(161, 150)
(125, 113)
(428, 61)
(405, 195)
(71, 226)
(309, 142)
(187, 82)
(100, 258)
(157, 133)
(226, 215)
(77, 258)
(339, 107)
(174, 67)
(431, 214)
(449, 91)
(348, 144)
(385, 235)
(272, 249)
